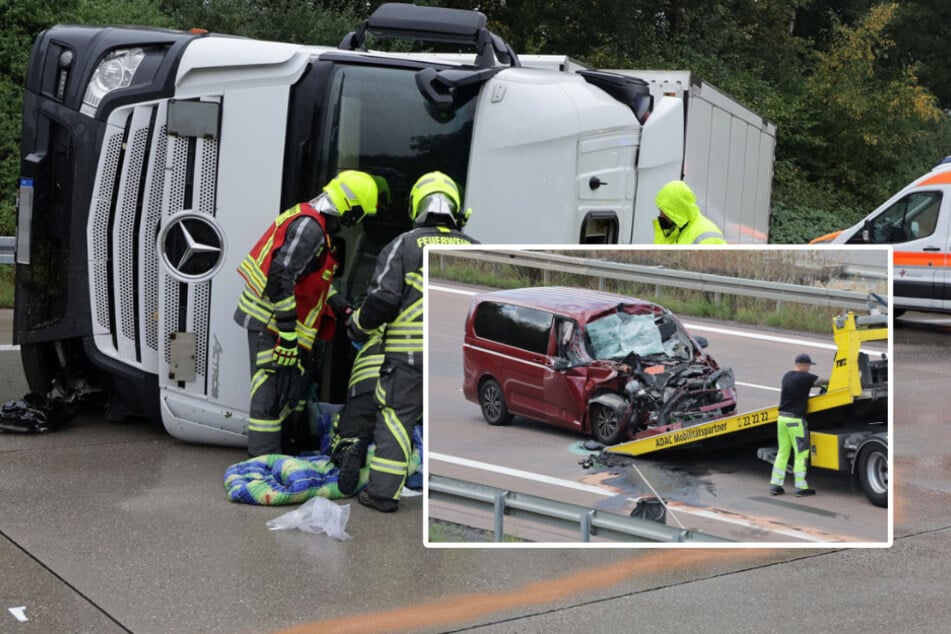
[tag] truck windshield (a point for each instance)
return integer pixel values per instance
(377, 121)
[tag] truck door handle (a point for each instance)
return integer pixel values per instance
(931, 248)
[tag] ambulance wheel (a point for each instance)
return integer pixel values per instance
(492, 400)
(606, 424)
(873, 474)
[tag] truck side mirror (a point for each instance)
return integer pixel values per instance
(702, 341)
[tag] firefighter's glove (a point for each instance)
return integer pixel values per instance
(285, 352)
(341, 308)
(356, 334)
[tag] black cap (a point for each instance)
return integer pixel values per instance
(804, 358)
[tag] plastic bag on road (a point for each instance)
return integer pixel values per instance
(317, 515)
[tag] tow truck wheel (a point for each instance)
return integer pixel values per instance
(873, 474)
(606, 425)
(493, 404)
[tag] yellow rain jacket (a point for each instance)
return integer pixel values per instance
(679, 204)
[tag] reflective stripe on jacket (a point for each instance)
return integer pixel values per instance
(303, 306)
(395, 296)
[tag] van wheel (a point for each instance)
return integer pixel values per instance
(873, 474)
(493, 403)
(606, 425)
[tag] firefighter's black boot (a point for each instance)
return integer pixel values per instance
(349, 458)
(384, 505)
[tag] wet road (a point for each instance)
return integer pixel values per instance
(108, 528)
(723, 493)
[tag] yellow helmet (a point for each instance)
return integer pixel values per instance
(354, 196)
(383, 191)
(435, 194)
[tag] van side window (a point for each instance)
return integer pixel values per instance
(913, 217)
(518, 326)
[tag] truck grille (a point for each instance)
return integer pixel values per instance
(146, 175)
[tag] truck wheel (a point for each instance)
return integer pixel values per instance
(873, 474)
(606, 424)
(493, 403)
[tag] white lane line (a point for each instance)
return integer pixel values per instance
(5, 347)
(752, 335)
(751, 524)
(518, 473)
(569, 484)
(759, 387)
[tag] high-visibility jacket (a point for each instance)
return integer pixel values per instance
(679, 204)
(395, 296)
(302, 308)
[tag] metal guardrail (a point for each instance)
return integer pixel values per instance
(660, 276)
(585, 522)
(7, 249)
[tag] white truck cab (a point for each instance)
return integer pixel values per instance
(152, 160)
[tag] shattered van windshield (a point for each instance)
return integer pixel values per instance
(614, 336)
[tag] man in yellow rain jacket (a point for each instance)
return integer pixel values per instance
(680, 220)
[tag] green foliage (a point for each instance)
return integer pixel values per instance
(6, 285)
(875, 118)
(300, 21)
(22, 21)
(856, 89)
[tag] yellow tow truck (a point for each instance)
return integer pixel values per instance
(848, 421)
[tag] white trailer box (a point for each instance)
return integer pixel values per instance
(728, 154)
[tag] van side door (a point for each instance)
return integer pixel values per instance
(565, 380)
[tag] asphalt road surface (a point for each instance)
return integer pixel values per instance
(116, 528)
(723, 493)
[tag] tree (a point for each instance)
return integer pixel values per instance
(875, 119)
(22, 21)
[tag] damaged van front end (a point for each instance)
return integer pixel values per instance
(646, 399)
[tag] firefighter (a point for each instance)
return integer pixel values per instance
(287, 299)
(395, 302)
(679, 220)
(353, 428)
(792, 431)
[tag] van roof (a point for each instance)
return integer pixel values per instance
(581, 303)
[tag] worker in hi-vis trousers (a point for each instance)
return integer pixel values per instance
(395, 301)
(791, 429)
(286, 301)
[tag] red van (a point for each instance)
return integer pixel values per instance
(607, 365)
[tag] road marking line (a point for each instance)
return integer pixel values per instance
(518, 473)
(5, 347)
(759, 387)
(751, 524)
(19, 613)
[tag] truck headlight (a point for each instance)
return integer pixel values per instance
(115, 71)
